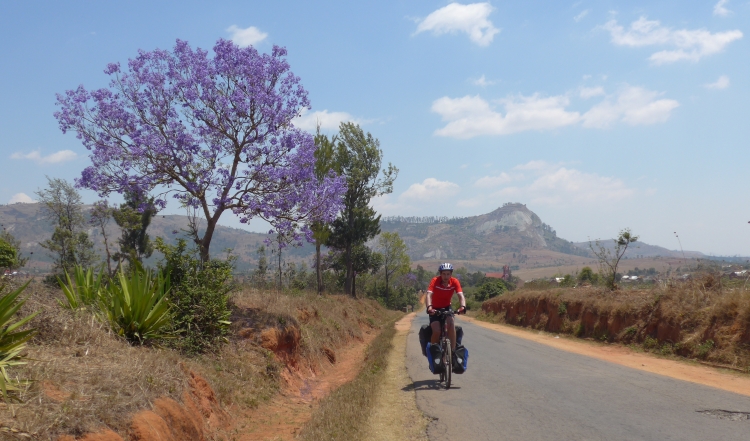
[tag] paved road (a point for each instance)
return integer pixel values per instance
(517, 389)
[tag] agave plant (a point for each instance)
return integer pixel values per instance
(136, 306)
(85, 290)
(12, 341)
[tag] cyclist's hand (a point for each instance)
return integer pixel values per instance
(461, 310)
(430, 310)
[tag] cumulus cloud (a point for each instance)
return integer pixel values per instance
(493, 181)
(552, 184)
(720, 10)
(472, 116)
(632, 105)
(246, 37)
(327, 120)
(429, 189)
(54, 158)
(562, 185)
(482, 81)
(721, 83)
(690, 45)
(21, 198)
(581, 16)
(471, 19)
(590, 92)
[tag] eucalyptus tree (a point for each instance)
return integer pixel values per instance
(358, 158)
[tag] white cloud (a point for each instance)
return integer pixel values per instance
(720, 10)
(471, 19)
(472, 116)
(590, 92)
(493, 181)
(22, 198)
(246, 37)
(553, 184)
(482, 81)
(721, 83)
(580, 16)
(429, 189)
(691, 45)
(633, 106)
(54, 158)
(327, 120)
(469, 116)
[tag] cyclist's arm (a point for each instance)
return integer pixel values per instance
(428, 300)
(462, 299)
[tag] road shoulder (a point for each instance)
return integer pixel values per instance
(707, 376)
(395, 415)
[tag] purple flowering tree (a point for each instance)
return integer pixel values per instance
(215, 133)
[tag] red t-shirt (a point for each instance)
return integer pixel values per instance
(441, 295)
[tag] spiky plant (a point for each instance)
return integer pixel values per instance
(12, 340)
(85, 290)
(136, 306)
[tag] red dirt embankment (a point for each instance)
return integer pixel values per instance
(169, 420)
(704, 325)
(200, 416)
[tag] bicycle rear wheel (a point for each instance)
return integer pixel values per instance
(448, 363)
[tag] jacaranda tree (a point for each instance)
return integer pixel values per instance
(214, 132)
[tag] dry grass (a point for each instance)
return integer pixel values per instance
(85, 377)
(344, 414)
(710, 316)
(325, 322)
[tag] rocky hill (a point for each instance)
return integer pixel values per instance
(512, 228)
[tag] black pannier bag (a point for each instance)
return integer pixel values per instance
(460, 359)
(425, 333)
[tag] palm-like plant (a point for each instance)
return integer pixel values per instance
(136, 306)
(12, 341)
(85, 290)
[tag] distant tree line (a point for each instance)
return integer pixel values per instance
(419, 219)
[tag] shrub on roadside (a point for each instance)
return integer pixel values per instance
(199, 297)
(83, 290)
(136, 305)
(489, 289)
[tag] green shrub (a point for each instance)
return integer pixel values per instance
(199, 298)
(489, 289)
(704, 348)
(650, 343)
(562, 308)
(85, 290)
(12, 341)
(136, 306)
(567, 281)
(587, 275)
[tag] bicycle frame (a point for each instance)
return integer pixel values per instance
(445, 346)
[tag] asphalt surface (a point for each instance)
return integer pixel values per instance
(516, 389)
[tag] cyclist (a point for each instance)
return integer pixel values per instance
(439, 296)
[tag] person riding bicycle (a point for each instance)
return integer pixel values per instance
(439, 295)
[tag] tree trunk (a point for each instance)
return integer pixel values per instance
(205, 242)
(317, 268)
(279, 269)
(349, 283)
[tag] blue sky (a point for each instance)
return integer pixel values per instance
(597, 115)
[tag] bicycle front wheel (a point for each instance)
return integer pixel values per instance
(448, 363)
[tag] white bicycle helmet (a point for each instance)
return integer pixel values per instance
(445, 267)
